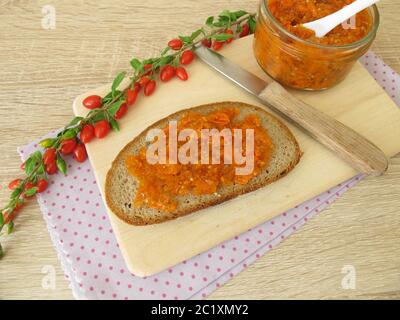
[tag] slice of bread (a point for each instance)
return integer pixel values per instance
(121, 186)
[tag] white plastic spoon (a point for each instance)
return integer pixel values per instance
(322, 26)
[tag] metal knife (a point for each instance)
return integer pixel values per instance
(346, 143)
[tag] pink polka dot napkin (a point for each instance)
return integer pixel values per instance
(87, 249)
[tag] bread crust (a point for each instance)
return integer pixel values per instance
(249, 187)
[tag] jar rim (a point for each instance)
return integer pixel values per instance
(371, 34)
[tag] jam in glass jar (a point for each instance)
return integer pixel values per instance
(295, 57)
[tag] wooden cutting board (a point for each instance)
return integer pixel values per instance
(358, 102)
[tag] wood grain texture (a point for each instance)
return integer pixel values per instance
(41, 71)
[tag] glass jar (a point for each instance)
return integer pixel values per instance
(303, 64)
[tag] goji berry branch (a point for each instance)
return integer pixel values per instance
(106, 111)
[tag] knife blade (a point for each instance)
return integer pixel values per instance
(346, 143)
(246, 80)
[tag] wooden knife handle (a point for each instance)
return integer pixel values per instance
(359, 152)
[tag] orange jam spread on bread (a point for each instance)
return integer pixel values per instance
(160, 185)
(291, 14)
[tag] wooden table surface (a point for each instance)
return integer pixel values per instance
(42, 70)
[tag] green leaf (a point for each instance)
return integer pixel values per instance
(10, 227)
(224, 19)
(47, 143)
(30, 192)
(115, 107)
(30, 164)
(233, 17)
(252, 24)
(69, 134)
(12, 205)
(222, 36)
(61, 165)
(117, 81)
(218, 24)
(137, 65)
(41, 169)
(166, 49)
(116, 92)
(1, 252)
(240, 13)
(98, 116)
(114, 124)
(37, 155)
(164, 61)
(195, 34)
(185, 39)
(225, 15)
(210, 21)
(105, 100)
(1, 219)
(75, 121)
(34, 179)
(16, 193)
